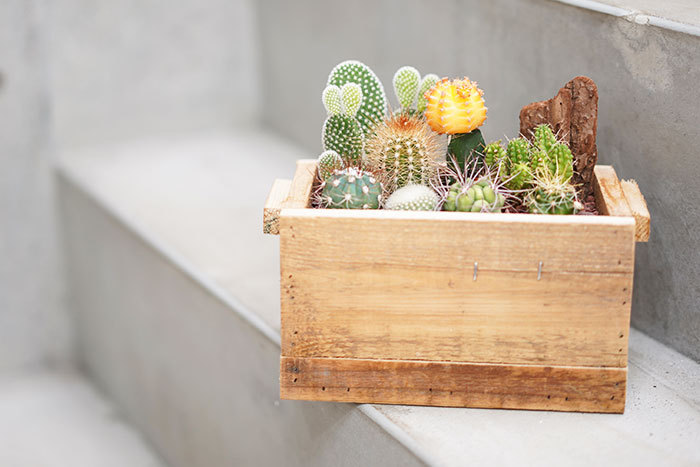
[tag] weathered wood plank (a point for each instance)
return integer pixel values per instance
(273, 205)
(534, 387)
(302, 184)
(639, 209)
(609, 197)
(377, 310)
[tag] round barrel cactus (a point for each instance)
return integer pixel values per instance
(481, 196)
(413, 198)
(351, 189)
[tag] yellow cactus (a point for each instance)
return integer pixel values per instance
(455, 106)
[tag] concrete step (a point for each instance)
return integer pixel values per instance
(177, 306)
(50, 419)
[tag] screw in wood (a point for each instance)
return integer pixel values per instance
(539, 271)
(476, 269)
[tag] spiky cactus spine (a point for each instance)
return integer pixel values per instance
(552, 194)
(351, 189)
(374, 105)
(413, 198)
(328, 163)
(342, 132)
(404, 150)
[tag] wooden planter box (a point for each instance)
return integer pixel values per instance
(456, 309)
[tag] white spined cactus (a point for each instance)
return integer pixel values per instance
(413, 198)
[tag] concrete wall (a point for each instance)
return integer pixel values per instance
(124, 69)
(34, 327)
(521, 51)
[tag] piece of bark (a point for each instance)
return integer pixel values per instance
(573, 115)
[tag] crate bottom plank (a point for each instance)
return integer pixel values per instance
(454, 384)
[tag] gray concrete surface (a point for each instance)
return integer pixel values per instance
(58, 419)
(34, 325)
(162, 326)
(195, 376)
(130, 69)
(521, 51)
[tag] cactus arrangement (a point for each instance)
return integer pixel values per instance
(351, 189)
(402, 161)
(405, 151)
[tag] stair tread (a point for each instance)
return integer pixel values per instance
(52, 419)
(200, 197)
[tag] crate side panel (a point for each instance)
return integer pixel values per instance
(369, 301)
(581, 389)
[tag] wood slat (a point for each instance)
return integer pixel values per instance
(639, 209)
(404, 289)
(533, 387)
(610, 199)
(300, 192)
(273, 205)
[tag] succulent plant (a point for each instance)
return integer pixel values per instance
(413, 198)
(480, 196)
(521, 164)
(342, 132)
(374, 106)
(554, 154)
(455, 107)
(410, 89)
(426, 83)
(328, 162)
(404, 150)
(494, 154)
(351, 188)
(552, 194)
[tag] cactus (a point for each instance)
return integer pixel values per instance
(494, 154)
(543, 138)
(351, 189)
(413, 198)
(426, 83)
(404, 150)
(406, 82)
(329, 162)
(552, 194)
(521, 164)
(342, 132)
(374, 106)
(480, 196)
(455, 107)
(410, 90)
(555, 155)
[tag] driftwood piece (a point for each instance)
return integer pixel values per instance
(573, 115)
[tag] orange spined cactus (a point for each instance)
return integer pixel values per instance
(455, 106)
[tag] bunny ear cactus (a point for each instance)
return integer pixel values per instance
(428, 82)
(374, 106)
(328, 163)
(342, 132)
(413, 198)
(351, 189)
(406, 82)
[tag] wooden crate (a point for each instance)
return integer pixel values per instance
(456, 309)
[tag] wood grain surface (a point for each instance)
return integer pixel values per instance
(535, 387)
(639, 209)
(300, 192)
(271, 212)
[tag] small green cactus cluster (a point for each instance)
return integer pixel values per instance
(328, 163)
(478, 196)
(552, 194)
(373, 107)
(351, 188)
(413, 198)
(410, 89)
(520, 160)
(342, 132)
